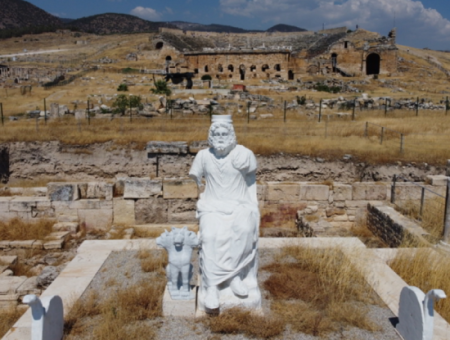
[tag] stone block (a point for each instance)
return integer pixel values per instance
(96, 218)
(178, 308)
(54, 244)
(4, 204)
(58, 235)
(289, 191)
(167, 147)
(407, 191)
(142, 188)
(101, 190)
(8, 260)
(62, 191)
(10, 284)
(28, 244)
(29, 287)
(437, 180)
(85, 204)
(24, 204)
(2, 268)
(38, 244)
(151, 210)
(370, 191)
(124, 211)
(261, 192)
(342, 192)
(4, 244)
(196, 146)
(7, 272)
(6, 216)
(119, 187)
(182, 211)
(180, 188)
(314, 192)
(66, 226)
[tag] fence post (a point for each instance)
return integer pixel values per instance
(129, 101)
(446, 106)
(88, 113)
(1, 113)
(354, 107)
(381, 135)
(394, 180)
(401, 143)
(45, 112)
(285, 111)
(417, 106)
(366, 130)
(385, 107)
(447, 212)
(447, 173)
(248, 111)
(326, 126)
(320, 110)
(422, 201)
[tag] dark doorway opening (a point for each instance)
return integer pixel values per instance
(252, 68)
(196, 70)
(242, 72)
(373, 64)
(220, 68)
(206, 68)
(265, 67)
(291, 75)
(334, 62)
(159, 45)
(168, 58)
(231, 68)
(277, 67)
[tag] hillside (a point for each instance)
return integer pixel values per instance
(189, 26)
(285, 28)
(110, 23)
(20, 14)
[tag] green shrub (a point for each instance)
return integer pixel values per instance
(161, 88)
(206, 77)
(122, 87)
(301, 100)
(325, 88)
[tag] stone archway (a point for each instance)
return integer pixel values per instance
(231, 68)
(334, 62)
(373, 64)
(159, 45)
(242, 72)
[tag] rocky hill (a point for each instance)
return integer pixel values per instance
(20, 14)
(189, 26)
(110, 23)
(285, 28)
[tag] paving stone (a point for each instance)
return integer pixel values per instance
(58, 235)
(342, 192)
(10, 284)
(370, 191)
(29, 286)
(54, 244)
(27, 244)
(4, 244)
(283, 191)
(100, 190)
(438, 180)
(66, 226)
(314, 192)
(38, 244)
(8, 260)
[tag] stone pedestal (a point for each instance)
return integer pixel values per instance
(179, 308)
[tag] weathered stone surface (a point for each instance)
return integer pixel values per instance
(96, 218)
(100, 190)
(167, 147)
(25, 204)
(38, 244)
(152, 210)
(282, 191)
(437, 180)
(4, 204)
(182, 211)
(7, 272)
(28, 244)
(261, 191)
(58, 235)
(312, 192)
(62, 191)
(54, 244)
(196, 146)
(8, 260)
(4, 244)
(408, 191)
(85, 204)
(47, 276)
(29, 286)
(370, 191)
(142, 188)
(180, 188)
(10, 284)
(342, 192)
(66, 226)
(124, 212)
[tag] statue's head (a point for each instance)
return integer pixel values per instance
(178, 236)
(221, 134)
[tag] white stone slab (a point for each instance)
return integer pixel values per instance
(142, 188)
(179, 308)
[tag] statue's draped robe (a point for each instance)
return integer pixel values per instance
(228, 213)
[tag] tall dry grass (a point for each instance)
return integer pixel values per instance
(8, 318)
(318, 291)
(17, 229)
(426, 269)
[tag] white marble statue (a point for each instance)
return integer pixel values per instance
(48, 317)
(179, 244)
(416, 313)
(229, 221)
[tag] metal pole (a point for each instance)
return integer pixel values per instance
(366, 130)
(1, 114)
(248, 112)
(320, 111)
(447, 212)
(45, 112)
(401, 143)
(447, 173)
(354, 107)
(129, 101)
(382, 135)
(394, 180)
(422, 201)
(326, 126)
(88, 113)
(385, 107)
(417, 106)
(157, 166)
(446, 106)
(285, 111)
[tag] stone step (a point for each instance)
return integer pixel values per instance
(72, 227)
(10, 284)
(54, 244)
(8, 260)
(58, 235)
(29, 286)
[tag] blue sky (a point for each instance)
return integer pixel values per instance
(421, 24)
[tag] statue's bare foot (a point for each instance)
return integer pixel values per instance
(212, 298)
(238, 287)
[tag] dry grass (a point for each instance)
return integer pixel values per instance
(124, 315)
(8, 318)
(360, 230)
(426, 269)
(17, 229)
(5, 193)
(241, 321)
(151, 262)
(337, 287)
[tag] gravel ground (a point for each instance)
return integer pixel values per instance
(123, 268)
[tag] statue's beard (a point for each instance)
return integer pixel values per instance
(223, 148)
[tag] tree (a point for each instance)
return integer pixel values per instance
(122, 87)
(161, 88)
(123, 102)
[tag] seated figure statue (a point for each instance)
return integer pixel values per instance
(229, 221)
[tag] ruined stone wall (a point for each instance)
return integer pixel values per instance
(250, 35)
(231, 64)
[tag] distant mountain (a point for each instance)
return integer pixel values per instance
(189, 26)
(66, 20)
(16, 14)
(110, 23)
(285, 28)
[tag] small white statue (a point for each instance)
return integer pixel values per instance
(416, 313)
(229, 217)
(179, 244)
(48, 317)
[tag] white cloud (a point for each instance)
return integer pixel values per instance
(146, 13)
(412, 18)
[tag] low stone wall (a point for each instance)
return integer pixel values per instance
(394, 228)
